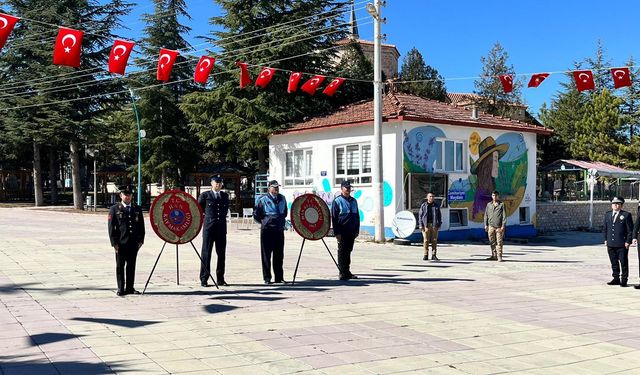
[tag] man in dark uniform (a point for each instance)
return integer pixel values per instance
(126, 232)
(346, 227)
(636, 232)
(215, 204)
(271, 211)
(618, 234)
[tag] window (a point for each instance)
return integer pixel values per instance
(524, 215)
(420, 184)
(353, 162)
(449, 155)
(297, 168)
(458, 217)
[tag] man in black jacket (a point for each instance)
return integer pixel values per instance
(215, 204)
(618, 234)
(346, 227)
(126, 232)
(430, 221)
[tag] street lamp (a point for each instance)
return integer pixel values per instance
(378, 206)
(94, 155)
(140, 136)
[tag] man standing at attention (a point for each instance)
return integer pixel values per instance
(618, 234)
(346, 227)
(430, 220)
(215, 205)
(271, 212)
(126, 232)
(495, 222)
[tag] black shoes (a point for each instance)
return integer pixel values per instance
(636, 286)
(492, 258)
(614, 282)
(120, 293)
(205, 284)
(623, 283)
(348, 277)
(132, 291)
(426, 257)
(267, 282)
(435, 258)
(223, 283)
(281, 282)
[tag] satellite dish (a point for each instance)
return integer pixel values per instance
(403, 224)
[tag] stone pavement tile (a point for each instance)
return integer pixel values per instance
(40, 368)
(265, 356)
(70, 355)
(301, 351)
(141, 368)
(82, 368)
(112, 350)
(398, 365)
(597, 350)
(440, 370)
(112, 340)
(203, 372)
(155, 346)
(184, 365)
(169, 355)
(322, 361)
(285, 366)
(246, 347)
(209, 351)
(481, 368)
(359, 356)
(135, 357)
(345, 370)
(335, 347)
(230, 361)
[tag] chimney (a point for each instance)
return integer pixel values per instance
(474, 112)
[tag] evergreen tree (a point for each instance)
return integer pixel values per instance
(599, 64)
(630, 107)
(170, 149)
(31, 79)
(493, 99)
(234, 122)
(597, 135)
(414, 68)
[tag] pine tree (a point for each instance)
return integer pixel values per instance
(294, 35)
(597, 135)
(31, 78)
(170, 150)
(630, 107)
(493, 99)
(599, 65)
(414, 68)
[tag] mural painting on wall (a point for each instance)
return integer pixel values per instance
(494, 164)
(365, 200)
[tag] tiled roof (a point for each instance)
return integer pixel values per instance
(398, 107)
(463, 98)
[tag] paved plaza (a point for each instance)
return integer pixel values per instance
(546, 310)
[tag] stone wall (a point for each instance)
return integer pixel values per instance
(560, 216)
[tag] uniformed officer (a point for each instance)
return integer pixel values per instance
(126, 232)
(215, 204)
(271, 211)
(618, 234)
(346, 227)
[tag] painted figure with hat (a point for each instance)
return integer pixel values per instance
(618, 235)
(636, 231)
(126, 232)
(345, 218)
(495, 222)
(271, 212)
(215, 205)
(486, 170)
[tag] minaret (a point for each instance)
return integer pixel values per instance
(353, 23)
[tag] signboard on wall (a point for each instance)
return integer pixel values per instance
(457, 196)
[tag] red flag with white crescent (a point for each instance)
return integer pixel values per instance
(7, 23)
(311, 85)
(119, 56)
(68, 47)
(265, 77)
(203, 69)
(294, 80)
(537, 79)
(245, 80)
(333, 86)
(621, 77)
(507, 82)
(165, 63)
(584, 80)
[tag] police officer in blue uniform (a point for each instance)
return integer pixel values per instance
(618, 234)
(346, 227)
(126, 232)
(271, 212)
(215, 204)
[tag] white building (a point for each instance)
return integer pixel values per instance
(427, 146)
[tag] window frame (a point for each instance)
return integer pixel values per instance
(354, 178)
(306, 176)
(442, 160)
(527, 215)
(464, 216)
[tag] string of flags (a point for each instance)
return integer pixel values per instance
(68, 50)
(583, 79)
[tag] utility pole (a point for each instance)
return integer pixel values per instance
(378, 205)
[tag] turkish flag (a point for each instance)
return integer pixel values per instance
(333, 86)
(265, 77)
(584, 80)
(244, 74)
(537, 79)
(621, 77)
(165, 63)
(119, 56)
(68, 47)
(294, 79)
(507, 82)
(311, 85)
(203, 69)
(7, 23)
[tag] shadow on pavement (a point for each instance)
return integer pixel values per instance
(364, 281)
(14, 365)
(248, 298)
(118, 322)
(214, 309)
(48, 338)
(16, 288)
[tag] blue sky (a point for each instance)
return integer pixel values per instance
(540, 36)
